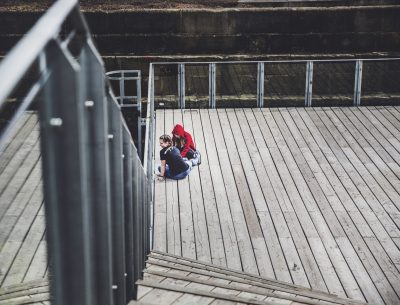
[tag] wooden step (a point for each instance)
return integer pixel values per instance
(25, 293)
(159, 264)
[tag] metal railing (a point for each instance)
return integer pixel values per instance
(128, 84)
(98, 196)
(306, 83)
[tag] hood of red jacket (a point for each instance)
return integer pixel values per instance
(178, 130)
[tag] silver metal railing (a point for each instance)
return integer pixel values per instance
(97, 194)
(306, 83)
(128, 84)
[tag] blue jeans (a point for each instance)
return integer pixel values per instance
(196, 160)
(178, 176)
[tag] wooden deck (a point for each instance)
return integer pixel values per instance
(23, 254)
(306, 196)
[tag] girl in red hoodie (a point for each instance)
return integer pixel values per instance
(184, 141)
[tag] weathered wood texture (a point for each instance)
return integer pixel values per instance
(305, 196)
(171, 279)
(23, 254)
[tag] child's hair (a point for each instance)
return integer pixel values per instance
(166, 138)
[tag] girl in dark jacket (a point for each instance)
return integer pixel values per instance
(184, 142)
(173, 166)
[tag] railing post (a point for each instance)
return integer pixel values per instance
(128, 150)
(117, 199)
(121, 89)
(357, 82)
(63, 147)
(95, 114)
(136, 218)
(309, 82)
(260, 84)
(181, 86)
(211, 85)
(139, 122)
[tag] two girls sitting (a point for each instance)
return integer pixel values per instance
(177, 155)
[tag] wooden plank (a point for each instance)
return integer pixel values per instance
(247, 256)
(18, 180)
(18, 158)
(359, 159)
(193, 299)
(246, 192)
(268, 210)
(282, 159)
(31, 191)
(160, 203)
(381, 124)
(174, 242)
(210, 206)
(375, 146)
(306, 139)
(233, 258)
(363, 225)
(185, 208)
(160, 296)
(300, 219)
(356, 184)
(25, 255)
(22, 129)
(39, 264)
(359, 246)
(203, 251)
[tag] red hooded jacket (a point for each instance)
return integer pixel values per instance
(186, 137)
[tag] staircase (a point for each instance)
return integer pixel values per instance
(170, 279)
(33, 292)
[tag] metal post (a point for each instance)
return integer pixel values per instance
(357, 82)
(97, 160)
(139, 219)
(309, 81)
(136, 217)
(122, 89)
(260, 84)
(117, 199)
(128, 203)
(181, 86)
(63, 145)
(139, 122)
(211, 85)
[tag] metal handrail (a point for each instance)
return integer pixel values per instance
(260, 75)
(35, 41)
(97, 194)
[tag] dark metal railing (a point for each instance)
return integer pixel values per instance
(305, 83)
(98, 195)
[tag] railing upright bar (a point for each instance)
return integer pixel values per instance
(181, 86)
(65, 182)
(260, 84)
(121, 90)
(357, 83)
(139, 108)
(211, 84)
(128, 211)
(95, 114)
(309, 82)
(117, 199)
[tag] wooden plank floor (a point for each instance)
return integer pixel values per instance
(23, 253)
(307, 196)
